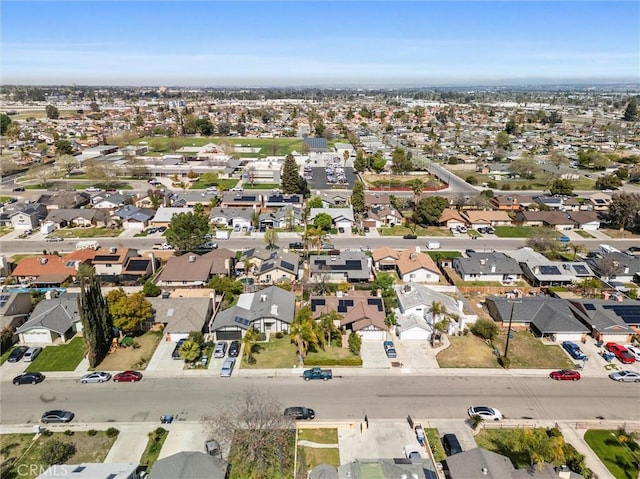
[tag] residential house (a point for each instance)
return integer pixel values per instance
(341, 217)
(377, 199)
(351, 266)
(192, 198)
(488, 267)
(451, 218)
(111, 261)
(279, 200)
(189, 465)
(616, 320)
(24, 216)
(550, 318)
(554, 219)
(134, 218)
(78, 217)
(317, 145)
(136, 267)
(389, 468)
(599, 201)
(278, 267)
(360, 312)
(237, 217)
(164, 214)
(180, 316)
(52, 319)
(241, 199)
(510, 202)
(188, 270)
(414, 318)
(335, 199)
(222, 262)
(111, 201)
(551, 202)
(385, 258)
(616, 267)
(585, 220)
(286, 217)
(413, 265)
(485, 218)
(92, 470)
(14, 309)
(45, 270)
(382, 216)
(540, 271)
(64, 200)
(269, 310)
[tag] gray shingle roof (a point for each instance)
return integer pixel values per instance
(189, 465)
(258, 305)
(57, 315)
(482, 263)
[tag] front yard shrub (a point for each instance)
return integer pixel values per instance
(56, 452)
(355, 361)
(112, 432)
(92, 432)
(355, 343)
(485, 329)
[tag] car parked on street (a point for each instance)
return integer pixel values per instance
(621, 353)
(220, 349)
(127, 376)
(574, 350)
(54, 239)
(565, 375)
(625, 376)
(17, 353)
(227, 367)
(564, 239)
(28, 378)
(300, 412)
(57, 415)
(95, 377)
(485, 412)
(410, 237)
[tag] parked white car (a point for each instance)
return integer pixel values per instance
(485, 412)
(635, 352)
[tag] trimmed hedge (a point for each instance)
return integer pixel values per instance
(334, 362)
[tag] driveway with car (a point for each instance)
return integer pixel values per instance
(162, 357)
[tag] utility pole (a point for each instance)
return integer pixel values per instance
(506, 347)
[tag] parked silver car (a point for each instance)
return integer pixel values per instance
(227, 367)
(96, 377)
(625, 376)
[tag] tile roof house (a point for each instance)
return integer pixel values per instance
(189, 465)
(488, 267)
(351, 266)
(451, 218)
(383, 216)
(413, 265)
(510, 202)
(180, 316)
(360, 312)
(269, 310)
(585, 220)
(546, 317)
(187, 270)
(237, 217)
(486, 218)
(342, 217)
(599, 201)
(385, 258)
(111, 261)
(52, 319)
(556, 219)
(44, 270)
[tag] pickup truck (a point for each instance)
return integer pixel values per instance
(161, 246)
(317, 373)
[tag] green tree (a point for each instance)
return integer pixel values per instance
(97, 323)
(52, 112)
(400, 161)
(525, 168)
(608, 182)
(150, 290)
(63, 147)
(631, 111)
(355, 343)
(271, 238)
(485, 329)
(503, 141)
(544, 241)
(303, 332)
(128, 311)
(624, 210)
(561, 186)
(190, 351)
(378, 162)
(357, 198)
(327, 324)
(5, 121)
(323, 221)
(67, 163)
(250, 341)
(315, 202)
(290, 176)
(428, 210)
(187, 231)
(360, 163)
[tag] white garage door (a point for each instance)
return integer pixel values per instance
(36, 336)
(416, 333)
(178, 336)
(372, 335)
(575, 337)
(589, 227)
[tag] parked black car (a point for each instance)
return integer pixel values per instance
(451, 444)
(28, 378)
(300, 412)
(176, 350)
(410, 237)
(296, 245)
(234, 349)
(17, 353)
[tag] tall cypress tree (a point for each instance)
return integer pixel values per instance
(290, 175)
(97, 324)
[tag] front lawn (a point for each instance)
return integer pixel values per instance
(4, 230)
(205, 182)
(584, 234)
(261, 186)
(516, 231)
(616, 455)
(130, 357)
(64, 357)
(25, 454)
(527, 351)
(320, 436)
(86, 233)
(467, 352)
(433, 437)
(437, 255)
(154, 446)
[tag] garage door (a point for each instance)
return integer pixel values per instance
(228, 335)
(372, 334)
(35, 336)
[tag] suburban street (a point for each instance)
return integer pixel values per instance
(437, 397)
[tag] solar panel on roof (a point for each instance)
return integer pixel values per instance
(375, 302)
(580, 269)
(3, 299)
(138, 264)
(106, 257)
(549, 270)
(589, 307)
(243, 321)
(352, 264)
(342, 308)
(629, 314)
(287, 265)
(317, 302)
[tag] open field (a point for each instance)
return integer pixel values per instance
(467, 352)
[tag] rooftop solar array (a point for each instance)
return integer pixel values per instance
(589, 307)
(138, 264)
(242, 321)
(317, 302)
(630, 314)
(344, 305)
(375, 302)
(580, 269)
(549, 270)
(286, 265)
(3, 299)
(106, 257)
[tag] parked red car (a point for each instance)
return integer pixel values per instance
(127, 377)
(621, 353)
(565, 375)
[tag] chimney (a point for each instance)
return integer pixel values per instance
(192, 258)
(626, 269)
(44, 260)
(605, 295)
(113, 250)
(263, 298)
(483, 261)
(412, 256)
(274, 309)
(152, 257)
(493, 268)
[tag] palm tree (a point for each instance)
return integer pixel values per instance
(250, 339)
(437, 310)
(577, 249)
(303, 332)
(247, 266)
(189, 351)
(328, 327)
(476, 422)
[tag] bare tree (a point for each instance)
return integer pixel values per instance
(43, 173)
(256, 433)
(68, 163)
(609, 268)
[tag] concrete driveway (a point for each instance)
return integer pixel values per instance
(183, 439)
(373, 355)
(161, 359)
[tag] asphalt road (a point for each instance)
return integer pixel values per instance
(346, 398)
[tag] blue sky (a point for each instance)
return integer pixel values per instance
(328, 43)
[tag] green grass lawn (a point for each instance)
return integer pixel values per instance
(584, 234)
(87, 233)
(467, 352)
(261, 186)
(64, 357)
(316, 456)
(616, 456)
(499, 440)
(204, 183)
(4, 230)
(154, 446)
(516, 231)
(435, 444)
(436, 255)
(321, 435)
(527, 351)
(4, 358)
(23, 452)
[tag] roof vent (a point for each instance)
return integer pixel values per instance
(263, 298)
(493, 268)
(44, 260)
(412, 256)
(274, 309)
(484, 471)
(192, 258)
(483, 261)
(113, 250)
